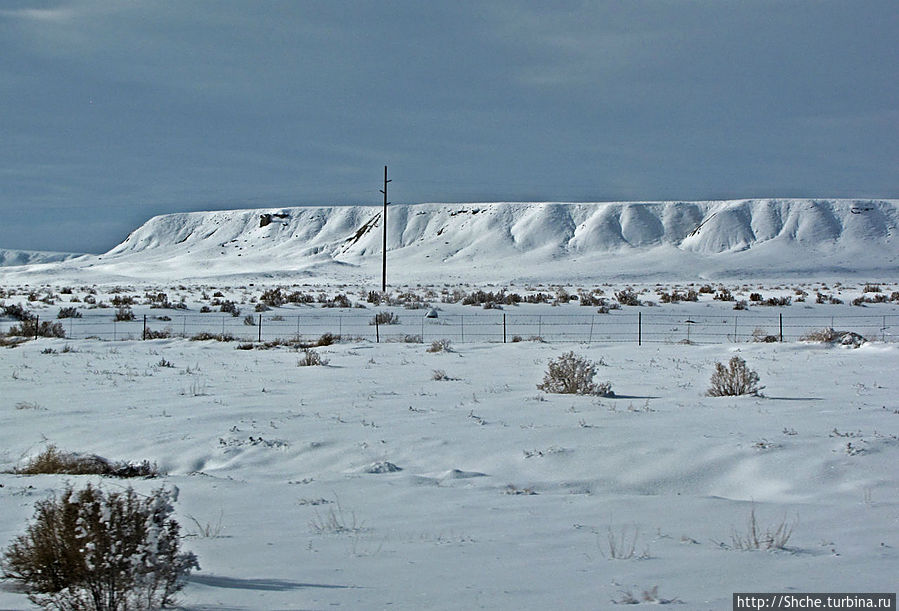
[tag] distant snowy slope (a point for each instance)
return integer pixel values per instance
(10, 257)
(513, 241)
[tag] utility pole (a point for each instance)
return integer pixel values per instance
(384, 253)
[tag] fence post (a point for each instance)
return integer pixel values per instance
(37, 326)
(377, 331)
(114, 334)
(184, 326)
(540, 326)
(260, 328)
(145, 327)
(592, 318)
(735, 329)
(781, 327)
(504, 327)
(462, 325)
(223, 328)
(639, 328)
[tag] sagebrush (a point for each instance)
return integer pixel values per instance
(311, 358)
(734, 380)
(89, 549)
(573, 374)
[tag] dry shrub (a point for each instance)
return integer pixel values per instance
(33, 328)
(830, 336)
(327, 339)
(310, 358)
(385, 318)
(161, 334)
(124, 314)
(573, 374)
(11, 342)
(103, 551)
(219, 337)
(440, 345)
(734, 380)
(68, 312)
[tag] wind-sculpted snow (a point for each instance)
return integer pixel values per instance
(514, 241)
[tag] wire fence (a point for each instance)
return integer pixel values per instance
(638, 327)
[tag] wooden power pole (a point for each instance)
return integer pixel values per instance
(384, 250)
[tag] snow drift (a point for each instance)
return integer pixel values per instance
(512, 241)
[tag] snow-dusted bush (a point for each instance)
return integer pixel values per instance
(573, 374)
(88, 549)
(124, 313)
(440, 345)
(229, 307)
(723, 294)
(68, 312)
(310, 358)
(385, 318)
(326, 339)
(830, 336)
(160, 334)
(627, 297)
(33, 328)
(734, 380)
(273, 298)
(17, 312)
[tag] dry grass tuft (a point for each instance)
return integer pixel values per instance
(54, 461)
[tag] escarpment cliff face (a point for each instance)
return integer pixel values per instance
(515, 241)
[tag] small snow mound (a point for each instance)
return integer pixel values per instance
(852, 339)
(458, 474)
(382, 466)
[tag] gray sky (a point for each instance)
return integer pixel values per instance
(117, 111)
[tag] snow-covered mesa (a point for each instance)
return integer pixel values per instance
(507, 242)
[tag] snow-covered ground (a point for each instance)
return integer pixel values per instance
(367, 483)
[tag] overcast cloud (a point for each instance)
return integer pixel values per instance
(116, 111)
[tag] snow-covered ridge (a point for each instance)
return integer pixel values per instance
(508, 241)
(9, 257)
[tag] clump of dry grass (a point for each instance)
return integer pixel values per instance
(754, 538)
(54, 461)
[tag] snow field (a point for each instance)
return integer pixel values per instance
(506, 496)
